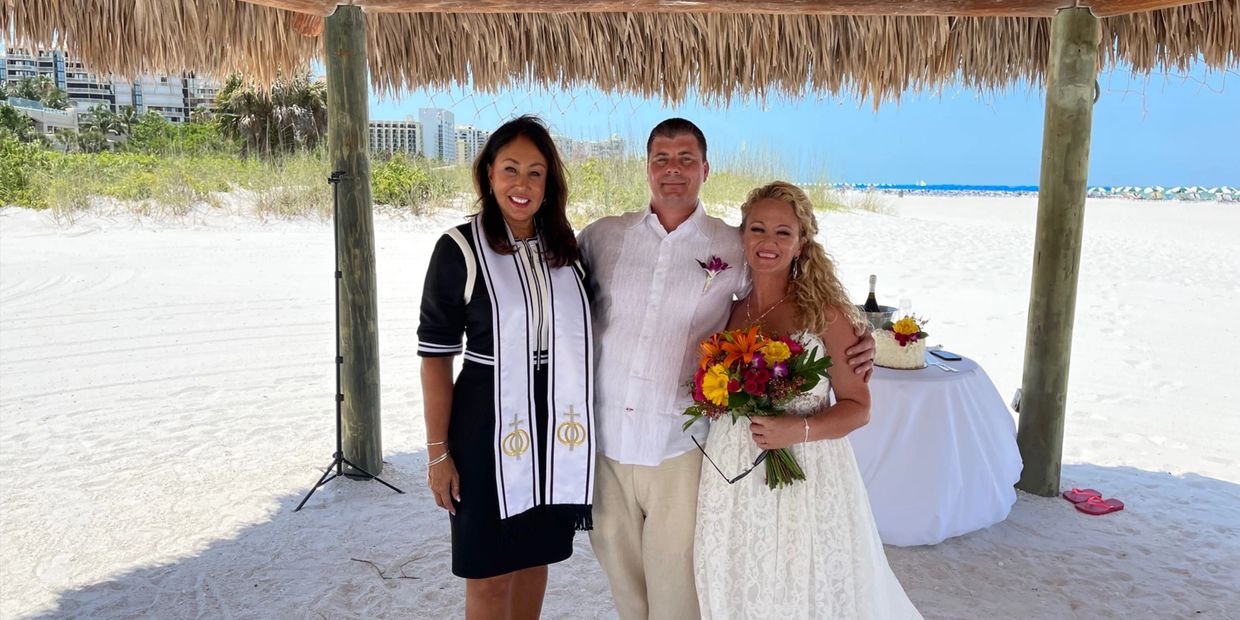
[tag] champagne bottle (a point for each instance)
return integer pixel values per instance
(871, 303)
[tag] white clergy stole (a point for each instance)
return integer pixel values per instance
(528, 297)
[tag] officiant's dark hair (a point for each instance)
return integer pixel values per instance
(551, 221)
(673, 127)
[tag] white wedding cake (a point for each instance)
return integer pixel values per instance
(901, 344)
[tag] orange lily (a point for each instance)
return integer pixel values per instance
(742, 346)
(710, 350)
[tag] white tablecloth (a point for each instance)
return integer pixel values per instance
(939, 455)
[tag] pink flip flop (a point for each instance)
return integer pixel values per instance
(1098, 506)
(1077, 496)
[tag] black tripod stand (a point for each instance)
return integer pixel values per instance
(338, 459)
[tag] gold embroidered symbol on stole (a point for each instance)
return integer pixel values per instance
(516, 442)
(571, 433)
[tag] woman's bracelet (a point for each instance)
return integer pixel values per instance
(437, 443)
(439, 459)
(806, 420)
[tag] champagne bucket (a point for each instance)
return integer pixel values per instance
(876, 319)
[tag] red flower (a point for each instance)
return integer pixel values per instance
(698, 396)
(756, 381)
(734, 386)
(794, 347)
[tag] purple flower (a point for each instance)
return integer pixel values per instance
(713, 267)
(779, 370)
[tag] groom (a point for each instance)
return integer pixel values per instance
(654, 301)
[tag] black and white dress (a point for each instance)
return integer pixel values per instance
(526, 474)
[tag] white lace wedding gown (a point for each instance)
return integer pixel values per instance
(809, 550)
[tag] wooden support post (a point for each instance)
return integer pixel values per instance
(1070, 92)
(344, 48)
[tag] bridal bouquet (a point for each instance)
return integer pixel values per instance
(746, 373)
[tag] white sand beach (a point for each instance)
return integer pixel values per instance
(166, 401)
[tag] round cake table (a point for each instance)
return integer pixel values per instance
(939, 455)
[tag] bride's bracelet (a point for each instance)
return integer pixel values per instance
(806, 420)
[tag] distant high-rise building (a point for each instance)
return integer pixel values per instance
(438, 134)
(200, 92)
(610, 148)
(173, 97)
(162, 94)
(16, 64)
(469, 142)
(396, 137)
(572, 149)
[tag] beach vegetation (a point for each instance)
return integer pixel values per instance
(149, 165)
(289, 116)
(21, 163)
(403, 182)
(16, 125)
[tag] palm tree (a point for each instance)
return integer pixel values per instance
(202, 115)
(126, 118)
(68, 140)
(101, 118)
(92, 140)
(39, 88)
(289, 116)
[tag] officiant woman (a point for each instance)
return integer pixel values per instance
(510, 441)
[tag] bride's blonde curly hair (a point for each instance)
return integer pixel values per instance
(816, 291)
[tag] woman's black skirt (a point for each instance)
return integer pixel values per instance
(483, 545)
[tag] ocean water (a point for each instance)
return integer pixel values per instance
(1190, 193)
(951, 187)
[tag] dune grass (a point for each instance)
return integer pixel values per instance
(172, 184)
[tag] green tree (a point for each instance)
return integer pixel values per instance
(156, 135)
(92, 140)
(16, 124)
(41, 89)
(68, 140)
(101, 118)
(291, 115)
(126, 118)
(202, 115)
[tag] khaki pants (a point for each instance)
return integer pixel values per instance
(643, 535)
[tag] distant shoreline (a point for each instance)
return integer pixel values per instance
(1186, 193)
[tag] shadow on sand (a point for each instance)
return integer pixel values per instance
(1171, 553)
(304, 564)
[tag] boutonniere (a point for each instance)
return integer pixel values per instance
(712, 267)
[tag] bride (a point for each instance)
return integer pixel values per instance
(811, 549)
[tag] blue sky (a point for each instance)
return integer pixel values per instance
(1179, 129)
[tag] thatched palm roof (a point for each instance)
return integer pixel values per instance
(653, 53)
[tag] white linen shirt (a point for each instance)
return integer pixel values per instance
(651, 308)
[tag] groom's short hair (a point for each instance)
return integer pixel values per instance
(673, 127)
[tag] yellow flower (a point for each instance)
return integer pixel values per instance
(715, 385)
(906, 326)
(775, 352)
